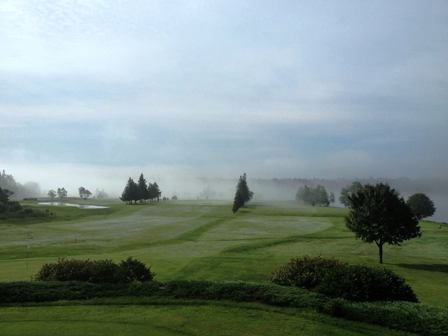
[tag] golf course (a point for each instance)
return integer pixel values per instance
(202, 240)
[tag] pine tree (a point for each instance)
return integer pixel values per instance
(142, 188)
(242, 195)
(130, 192)
(157, 192)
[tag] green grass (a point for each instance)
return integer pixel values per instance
(204, 240)
(173, 317)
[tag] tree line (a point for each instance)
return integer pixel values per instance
(140, 191)
(315, 196)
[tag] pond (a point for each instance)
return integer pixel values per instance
(81, 206)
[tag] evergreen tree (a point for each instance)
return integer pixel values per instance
(156, 190)
(142, 188)
(130, 192)
(242, 194)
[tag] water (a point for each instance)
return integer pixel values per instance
(81, 206)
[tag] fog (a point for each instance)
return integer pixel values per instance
(193, 94)
(188, 186)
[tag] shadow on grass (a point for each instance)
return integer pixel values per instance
(427, 267)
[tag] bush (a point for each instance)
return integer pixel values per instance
(133, 270)
(336, 279)
(306, 272)
(362, 283)
(95, 271)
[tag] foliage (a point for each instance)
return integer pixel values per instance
(306, 272)
(154, 191)
(134, 270)
(378, 214)
(140, 191)
(84, 193)
(20, 191)
(130, 192)
(348, 191)
(362, 283)
(143, 193)
(313, 196)
(95, 271)
(421, 205)
(242, 194)
(6, 205)
(62, 193)
(406, 316)
(51, 194)
(337, 279)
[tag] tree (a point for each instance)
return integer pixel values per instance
(130, 192)
(52, 194)
(84, 193)
(5, 204)
(156, 191)
(313, 196)
(378, 214)
(347, 191)
(242, 194)
(143, 193)
(62, 193)
(421, 205)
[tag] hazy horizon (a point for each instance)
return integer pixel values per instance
(94, 92)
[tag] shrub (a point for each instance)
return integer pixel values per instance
(133, 270)
(362, 283)
(95, 271)
(336, 279)
(306, 272)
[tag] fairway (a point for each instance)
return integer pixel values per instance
(204, 240)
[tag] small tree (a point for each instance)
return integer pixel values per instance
(242, 194)
(62, 193)
(347, 191)
(84, 193)
(52, 194)
(421, 205)
(378, 214)
(313, 196)
(156, 191)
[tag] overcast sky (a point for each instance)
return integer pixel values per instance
(90, 89)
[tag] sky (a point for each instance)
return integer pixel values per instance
(95, 91)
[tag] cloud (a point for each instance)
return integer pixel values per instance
(225, 86)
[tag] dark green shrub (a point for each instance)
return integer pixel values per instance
(95, 271)
(337, 279)
(306, 272)
(103, 271)
(133, 270)
(362, 283)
